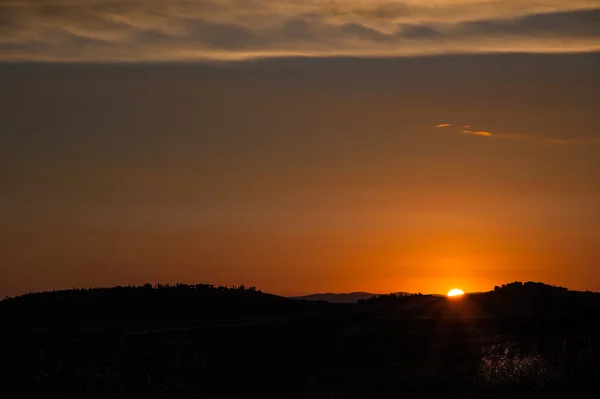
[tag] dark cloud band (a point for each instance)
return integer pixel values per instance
(220, 29)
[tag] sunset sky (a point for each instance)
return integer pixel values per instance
(299, 146)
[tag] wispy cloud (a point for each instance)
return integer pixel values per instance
(107, 30)
(512, 135)
(479, 133)
(586, 140)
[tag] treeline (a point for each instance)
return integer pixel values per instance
(388, 297)
(529, 286)
(131, 288)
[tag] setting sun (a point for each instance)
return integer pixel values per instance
(455, 292)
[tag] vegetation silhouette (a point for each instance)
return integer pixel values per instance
(519, 340)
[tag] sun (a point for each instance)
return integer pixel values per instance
(455, 292)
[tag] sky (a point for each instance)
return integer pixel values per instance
(299, 146)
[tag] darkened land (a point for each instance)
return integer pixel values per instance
(203, 341)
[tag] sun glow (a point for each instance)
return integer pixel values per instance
(455, 292)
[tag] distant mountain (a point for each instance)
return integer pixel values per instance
(351, 297)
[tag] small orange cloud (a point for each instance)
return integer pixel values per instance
(443, 125)
(467, 127)
(481, 133)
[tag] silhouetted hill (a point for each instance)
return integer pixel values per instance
(515, 299)
(337, 298)
(535, 298)
(351, 297)
(143, 307)
(184, 306)
(218, 342)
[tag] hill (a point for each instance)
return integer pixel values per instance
(351, 297)
(337, 298)
(143, 308)
(520, 340)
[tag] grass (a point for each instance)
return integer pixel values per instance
(377, 349)
(350, 362)
(505, 371)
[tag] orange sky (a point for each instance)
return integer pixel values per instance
(302, 175)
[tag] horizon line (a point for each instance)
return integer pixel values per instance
(299, 56)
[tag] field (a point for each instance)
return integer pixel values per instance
(419, 346)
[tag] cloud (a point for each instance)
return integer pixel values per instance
(572, 24)
(443, 125)
(177, 30)
(480, 133)
(532, 138)
(418, 32)
(362, 32)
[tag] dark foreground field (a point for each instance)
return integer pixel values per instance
(219, 343)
